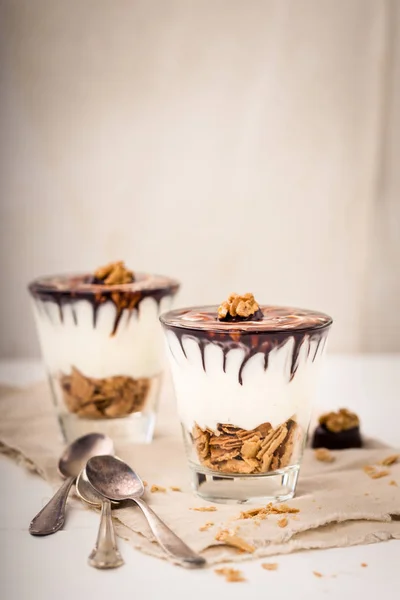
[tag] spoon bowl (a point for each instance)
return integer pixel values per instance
(78, 453)
(115, 480)
(86, 491)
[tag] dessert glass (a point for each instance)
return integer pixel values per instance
(244, 394)
(103, 350)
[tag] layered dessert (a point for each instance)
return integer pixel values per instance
(244, 377)
(101, 340)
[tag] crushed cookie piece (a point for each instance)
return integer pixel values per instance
(270, 566)
(157, 488)
(379, 474)
(235, 541)
(270, 509)
(238, 307)
(393, 482)
(368, 469)
(204, 508)
(113, 274)
(231, 449)
(338, 421)
(390, 460)
(145, 484)
(175, 488)
(283, 522)
(105, 398)
(324, 455)
(317, 574)
(231, 575)
(206, 526)
(372, 472)
(364, 565)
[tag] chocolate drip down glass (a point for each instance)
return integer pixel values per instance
(244, 393)
(102, 346)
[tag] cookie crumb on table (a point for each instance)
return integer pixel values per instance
(364, 565)
(231, 575)
(175, 488)
(390, 460)
(206, 526)
(157, 488)
(269, 566)
(270, 509)
(372, 472)
(317, 574)
(393, 482)
(283, 522)
(230, 539)
(203, 508)
(324, 455)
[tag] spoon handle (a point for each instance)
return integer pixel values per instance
(52, 516)
(105, 554)
(167, 539)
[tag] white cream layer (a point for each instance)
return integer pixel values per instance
(212, 396)
(136, 349)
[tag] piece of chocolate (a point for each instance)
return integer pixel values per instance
(340, 440)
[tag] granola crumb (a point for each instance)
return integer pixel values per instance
(238, 306)
(235, 541)
(364, 565)
(175, 488)
(390, 460)
(231, 575)
(283, 522)
(157, 488)
(317, 574)
(269, 566)
(206, 526)
(393, 482)
(204, 508)
(366, 493)
(324, 455)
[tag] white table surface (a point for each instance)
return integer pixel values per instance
(55, 567)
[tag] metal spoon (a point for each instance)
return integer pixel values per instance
(115, 480)
(51, 518)
(105, 554)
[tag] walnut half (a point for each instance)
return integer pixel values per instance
(114, 274)
(238, 306)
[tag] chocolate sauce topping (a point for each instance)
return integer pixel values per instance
(276, 327)
(69, 289)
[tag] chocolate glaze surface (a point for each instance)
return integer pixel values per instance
(69, 289)
(278, 325)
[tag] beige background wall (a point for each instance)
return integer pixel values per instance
(240, 146)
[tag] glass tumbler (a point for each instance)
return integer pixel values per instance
(103, 349)
(244, 393)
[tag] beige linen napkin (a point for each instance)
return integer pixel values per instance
(339, 504)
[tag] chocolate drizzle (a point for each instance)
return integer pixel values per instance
(257, 316)
(68, 290)
(252, 340)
